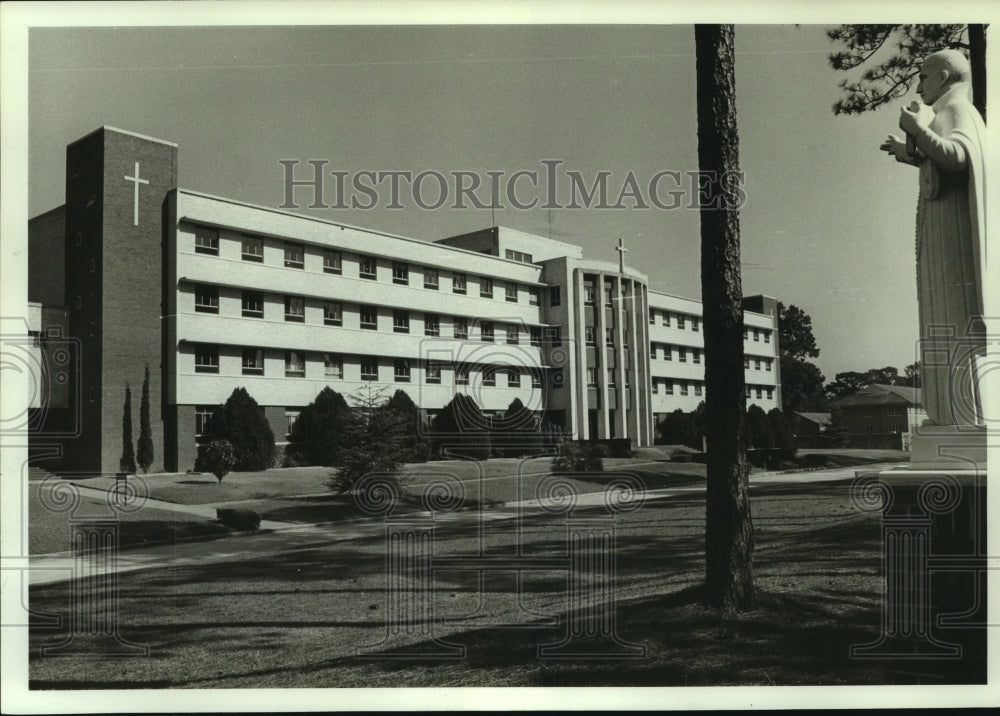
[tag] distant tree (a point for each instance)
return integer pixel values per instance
(241, 421)
(410, 426)
(784, 438)
(759, 427)
(320, 427)
(795, 334)
(145, 445)
(892, 55)
(127, 461)
(850, 382)
(461, 429)
(911, 375)
(679, 428)
(517, 431)
(218, 458)
(836, 434)
(373, 442)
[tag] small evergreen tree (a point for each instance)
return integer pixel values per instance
(836, 433)
(127, 461)
(219, 458)
(461, 429)
(784, 437)
(144, 455)
(320, 428)
(412, 441)
(372, 442)
(517, 432)
(241, 421)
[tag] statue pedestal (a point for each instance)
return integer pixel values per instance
(933, 626)
(949, 447)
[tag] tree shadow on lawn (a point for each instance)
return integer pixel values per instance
(650, 479)
(139, 533)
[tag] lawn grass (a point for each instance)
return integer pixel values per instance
(299, 620)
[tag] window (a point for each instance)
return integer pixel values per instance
(680, 321)
(294, 255)
(589, 335)
(682, 354)
(291, 418)
(746, 362)
(592, 376)
(432, 372)
(400, 321)
(770, 393)
(513, 378)
(401, 370)
(756, 335)
(652, 317)
(609, 295)
(203, 420)
(485, 287)
(253, 361)
(400, 273)
(295, 308)
(555, 298)
(206, 241)
(458, 282)
(533, 296)
(668, 386)
(206, 358)
(333, 261)
(253, 304)
(510, 292)
(760, 392)
(767, 336)
(253, 248)
(366, 267)
(652, 351)
(665, 319)
(513, 334)
(517, 256)
(589, 297)
(684, 387)
(694, 325)
(536, 379)
(609, 336)
(894, 410)
(432, 325)
(697, 388)
(369, 318)
(462, 375)
(369, 368)
(489, 376)
(295, 364)
(206, 298)
(486, 332)
(333, 365)
(768, 364)
(461, 328)
(611, 377)
(744, 334)
(749, 391)
(656, 386)
(92, 329)
(431, 278)
(333, 313)
(696, 355)
(756, 364)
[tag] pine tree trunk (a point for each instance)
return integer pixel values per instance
(977, 59)
(729, 530)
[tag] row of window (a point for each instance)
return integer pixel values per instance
(759, 363)
(680, 320)
(590, 293)
(206, 360)
(207, 242)
(682, 387)
(667, 350)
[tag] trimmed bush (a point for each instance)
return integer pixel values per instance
(759, 433)
(241, 421)
(575, 457)
(217, 458)
(461, 430)
(238, 519)
(320, 430)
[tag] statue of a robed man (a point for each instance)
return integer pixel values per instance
(948, 147)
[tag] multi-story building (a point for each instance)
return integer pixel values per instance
(212, 294)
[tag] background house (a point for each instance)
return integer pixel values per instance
(881, 416)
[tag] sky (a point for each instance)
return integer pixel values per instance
(828, 223)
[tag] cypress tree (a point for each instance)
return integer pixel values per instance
(242, 423)
(145, 448)
(127, 461)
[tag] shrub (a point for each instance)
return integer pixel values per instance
(784, 438)
(217, 458)
(602, 450)
(461, 429)
(242, 423)
(760, 435)
(577, 457)
(238, 519)
(411, 441)
(680, 428)
(320, 429)
(145, 452)
(680, 456)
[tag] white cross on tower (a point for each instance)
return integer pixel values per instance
(137, 181)
(620, 248)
